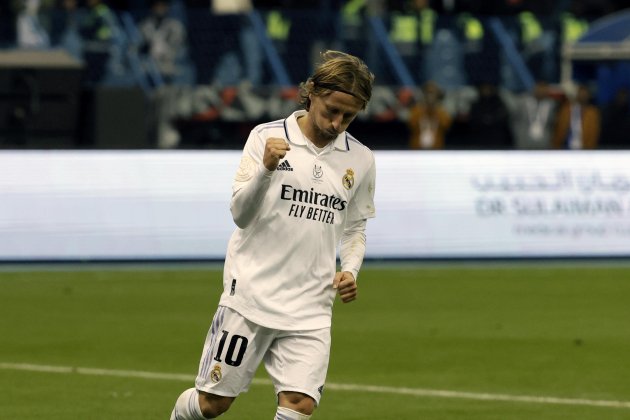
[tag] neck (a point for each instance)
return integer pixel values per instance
(321, 143)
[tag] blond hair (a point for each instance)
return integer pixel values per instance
(340, 72)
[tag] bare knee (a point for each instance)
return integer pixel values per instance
(297, 401)
(213, 405)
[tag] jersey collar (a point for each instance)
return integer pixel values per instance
(295, 136)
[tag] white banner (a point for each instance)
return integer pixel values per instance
(126, 205)
(502, 204)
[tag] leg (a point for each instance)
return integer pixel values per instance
(214, 405)
(195, 405)
(294, 405)
(232, 352)
(297, 362)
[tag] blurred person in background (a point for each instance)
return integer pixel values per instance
(579, 122)
(234, 50)
(357, 36)
(573, 22)
(31, 26)
(164, 40)
(65, 32)
(301, 30)
(488, 121)
(99, 32)
(412, 31)
(306, 181)
(533, 116)
(536, 41)
(428, 120)
(616, 122)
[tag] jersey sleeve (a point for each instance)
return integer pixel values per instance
(361, 206)
(251, 182)
(251, 162)
(352, 249)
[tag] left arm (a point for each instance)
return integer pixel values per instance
(351, 252)
(352, 247)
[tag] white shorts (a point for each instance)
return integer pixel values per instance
(295, 360)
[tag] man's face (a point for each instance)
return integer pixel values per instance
(331, 115)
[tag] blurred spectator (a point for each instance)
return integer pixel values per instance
(616, 122)
(537, 43)
(578, 122)
(412, 29)
(65, 28)
(533, 118)
(31, 32)
(488, 121)
(357, 36)
(164, 40)
(235, 51)
(428, 120)
(302, 30)
(573, 22)
(445, 60)
(99, 32)
(481, 55)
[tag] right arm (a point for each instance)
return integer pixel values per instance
(253, 179)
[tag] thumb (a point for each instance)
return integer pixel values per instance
(336, 280)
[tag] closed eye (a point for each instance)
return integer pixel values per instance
(348, 116)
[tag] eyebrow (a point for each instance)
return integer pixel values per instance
(345, 112)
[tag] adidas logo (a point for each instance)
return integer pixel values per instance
(284, 166)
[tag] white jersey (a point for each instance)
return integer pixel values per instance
(279, 269)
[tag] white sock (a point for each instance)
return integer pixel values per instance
(284, 413)
(187, 406)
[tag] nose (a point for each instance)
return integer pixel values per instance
(336, 123)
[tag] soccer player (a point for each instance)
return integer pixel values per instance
(304, 186)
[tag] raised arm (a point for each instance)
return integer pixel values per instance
(253, 178)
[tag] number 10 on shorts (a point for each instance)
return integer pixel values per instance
(236, 341)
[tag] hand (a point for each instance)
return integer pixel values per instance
(275, 149)
(346, 286)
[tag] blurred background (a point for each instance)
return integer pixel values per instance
(200, 74)
(497, 128)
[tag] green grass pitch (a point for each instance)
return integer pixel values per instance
(518, 334)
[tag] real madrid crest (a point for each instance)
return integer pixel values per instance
(348, 179)
(215, 374)
(317, 171)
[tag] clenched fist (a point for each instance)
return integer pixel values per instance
(346, 286)
(275, 149)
